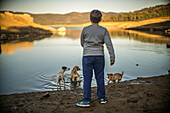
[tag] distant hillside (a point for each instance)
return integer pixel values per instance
(69, 18)
(144, 14)
(80, 18)
(50, 19)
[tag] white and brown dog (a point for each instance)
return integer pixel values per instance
(60, 76)
(74, 74)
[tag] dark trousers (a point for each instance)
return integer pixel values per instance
(97, 63)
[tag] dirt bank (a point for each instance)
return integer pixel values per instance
(150, 95)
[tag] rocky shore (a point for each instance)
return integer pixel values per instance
(141, 95)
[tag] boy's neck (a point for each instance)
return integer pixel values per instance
(95, 23)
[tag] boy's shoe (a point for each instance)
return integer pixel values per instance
(83, 104)
(103, 101)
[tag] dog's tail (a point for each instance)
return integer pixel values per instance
(122, 73)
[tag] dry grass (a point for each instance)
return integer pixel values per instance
(8, 19)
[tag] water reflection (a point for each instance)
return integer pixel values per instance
(140, 36)
(9, 48)
(61, 33)
(73, 33)
(135, 35)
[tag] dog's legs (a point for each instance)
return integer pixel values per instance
(79, 78)
(63, 84)
(57, 84)
(60, 85)
(108, 81)
(116, 82)
(73, 79)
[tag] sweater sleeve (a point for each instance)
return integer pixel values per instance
(82, 38)
(109, 45)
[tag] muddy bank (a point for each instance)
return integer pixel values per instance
(23, 34)
(149, 95)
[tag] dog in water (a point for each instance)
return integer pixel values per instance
(115, 78)
(74, 73)
(60, 76)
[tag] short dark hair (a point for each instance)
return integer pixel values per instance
(95, 16)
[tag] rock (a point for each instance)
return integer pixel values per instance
(132, 100)
(46, 95)
(14, 108)
(149, 94)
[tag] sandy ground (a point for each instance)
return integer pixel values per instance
(141, 95)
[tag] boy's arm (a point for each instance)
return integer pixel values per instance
(82, 38)
(109, 46)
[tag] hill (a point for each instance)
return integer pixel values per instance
(79, 18)
(21, 27)
(69, 18)
(143, 14)
(10, 19)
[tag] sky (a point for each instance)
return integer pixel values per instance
(67, 6)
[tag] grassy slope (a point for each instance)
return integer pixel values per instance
(8, 20)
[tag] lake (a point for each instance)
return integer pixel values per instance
(32, 66)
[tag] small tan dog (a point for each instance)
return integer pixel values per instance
(114, 77)
(74, 73)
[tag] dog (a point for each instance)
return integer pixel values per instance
(60, 76)
(74, 74)
(114, 77)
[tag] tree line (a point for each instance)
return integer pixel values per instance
(144, 14)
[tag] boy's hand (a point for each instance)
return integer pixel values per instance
(112, 62)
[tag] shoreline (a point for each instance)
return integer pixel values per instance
(151, 94)
(157, 26)
(119, 24)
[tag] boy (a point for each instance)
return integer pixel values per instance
(92, 39)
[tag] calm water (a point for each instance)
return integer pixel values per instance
(32, 66)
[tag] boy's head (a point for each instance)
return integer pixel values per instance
(95, 16)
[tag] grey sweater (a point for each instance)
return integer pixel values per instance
(92, 39)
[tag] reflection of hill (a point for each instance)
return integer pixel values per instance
(159, 28)
(73, 33)
(136, 35)
(9, 48)
(140, 36)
